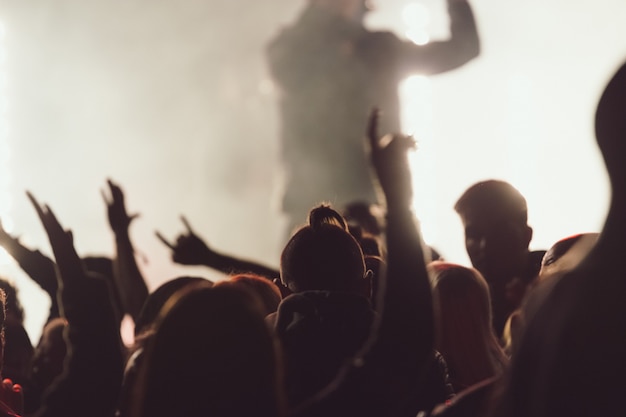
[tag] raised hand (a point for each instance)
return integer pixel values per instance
(61, 241)
(127, 277)
(39, 267)
(390, 161)
(190, 249)
(119, 219)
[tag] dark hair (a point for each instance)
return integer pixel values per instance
(158, 298)
(266, 290)
(493, 196)
(322, 255)
(211, 354)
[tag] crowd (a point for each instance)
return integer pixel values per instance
(361, 319)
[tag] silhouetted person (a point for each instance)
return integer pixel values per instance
(463, 331)
(331, 71)
(211, 355)
(571, 357)
(495, 218)
(329, 316)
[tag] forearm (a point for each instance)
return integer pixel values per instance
(127, 276)
(39, 267)
(407, 318)
(463, 29)
(230, 265)
(441, 56)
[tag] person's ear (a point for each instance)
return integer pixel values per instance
(528, 236)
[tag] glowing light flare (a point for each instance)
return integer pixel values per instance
(417, 18)
(416, 15)
(419, 37)
(417, 119)
(5, 258)
(127, 331)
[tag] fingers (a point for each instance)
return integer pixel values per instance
(35, 204)
(164, 240)
(187, 225)
(105, 197)
(117, 195)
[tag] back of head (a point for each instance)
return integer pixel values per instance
(266, 290)
(463, 323)
(323, 255)
(211, 355)
(157, 299)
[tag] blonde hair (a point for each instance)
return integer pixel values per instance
(463, 329)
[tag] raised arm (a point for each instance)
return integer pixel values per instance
(93, 369)
(384, 378)
(38, 266)
(190, 249)
(126, 274)
(441, 56)
(406, 326)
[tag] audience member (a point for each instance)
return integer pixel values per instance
(329, 316)
(268, 292)
(463, 332)
(497, 238)
(211, 355)
(570, 360)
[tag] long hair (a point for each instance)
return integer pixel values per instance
(464, 334)
(211, 355)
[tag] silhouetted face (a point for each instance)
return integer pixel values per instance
(497, 244)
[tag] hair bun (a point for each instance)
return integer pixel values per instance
(323, 215)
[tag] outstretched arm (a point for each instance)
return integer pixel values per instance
(440, 56)
(406, 326)
(384, 377)
(93, 369)
(38, 266)
(126, 274)
(190, 249)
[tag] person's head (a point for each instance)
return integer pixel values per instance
(266, 290)
(497, 235)
(353, 10)
(156, 299)
(212, 354)
(323, 255)
(463, 317)
(566, 254)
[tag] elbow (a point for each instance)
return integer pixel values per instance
(474, 48)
